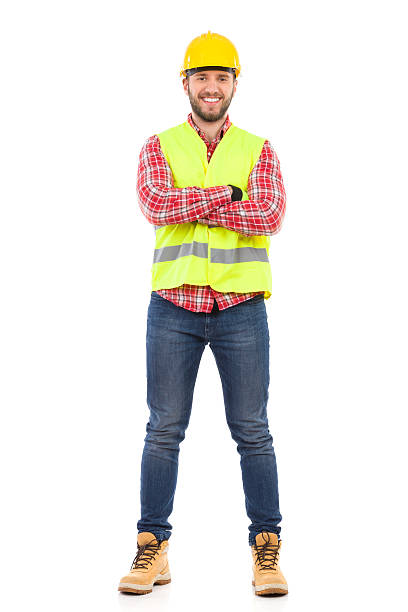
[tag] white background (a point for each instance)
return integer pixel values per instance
(83, 85)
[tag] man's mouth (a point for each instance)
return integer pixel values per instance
(210, 101)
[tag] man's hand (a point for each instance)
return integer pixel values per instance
(236, 193)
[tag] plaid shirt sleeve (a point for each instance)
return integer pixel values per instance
(162, 203)
(263, 213)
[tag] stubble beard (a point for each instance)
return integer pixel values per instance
(210, 115)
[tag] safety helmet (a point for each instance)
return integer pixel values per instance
(210, 51)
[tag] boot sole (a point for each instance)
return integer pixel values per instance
(142, 589)
(270, 589)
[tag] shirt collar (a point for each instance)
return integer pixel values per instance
(220, 134)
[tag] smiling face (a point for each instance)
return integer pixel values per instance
(210, 93)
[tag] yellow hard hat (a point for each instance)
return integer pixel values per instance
(210, 51)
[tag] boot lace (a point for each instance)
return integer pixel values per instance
(267, 555)
(145, 554)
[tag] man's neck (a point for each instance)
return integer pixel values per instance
(210, 128)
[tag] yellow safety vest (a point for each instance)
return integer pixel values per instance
(197, 254)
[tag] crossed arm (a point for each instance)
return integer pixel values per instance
(163, 204)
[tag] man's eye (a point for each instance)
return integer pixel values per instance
(221, 78)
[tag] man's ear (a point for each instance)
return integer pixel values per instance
(185, 84)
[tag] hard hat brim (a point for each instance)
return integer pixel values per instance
(189, 71)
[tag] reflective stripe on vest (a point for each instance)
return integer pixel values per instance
(171, 253)
(200, 249)
(240, 255)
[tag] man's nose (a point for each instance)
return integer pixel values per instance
(212, 90)
(212, 85)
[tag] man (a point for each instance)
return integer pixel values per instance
(215, 195)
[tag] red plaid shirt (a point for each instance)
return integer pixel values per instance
(163, 204)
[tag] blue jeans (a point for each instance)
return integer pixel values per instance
(239, 339)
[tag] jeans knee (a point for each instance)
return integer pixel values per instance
(252, 442)
(163, 440)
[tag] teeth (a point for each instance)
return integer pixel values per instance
(211, 99)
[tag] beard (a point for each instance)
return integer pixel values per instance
(210, 114)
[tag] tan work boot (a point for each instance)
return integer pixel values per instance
(266, 572)
(149, 567)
